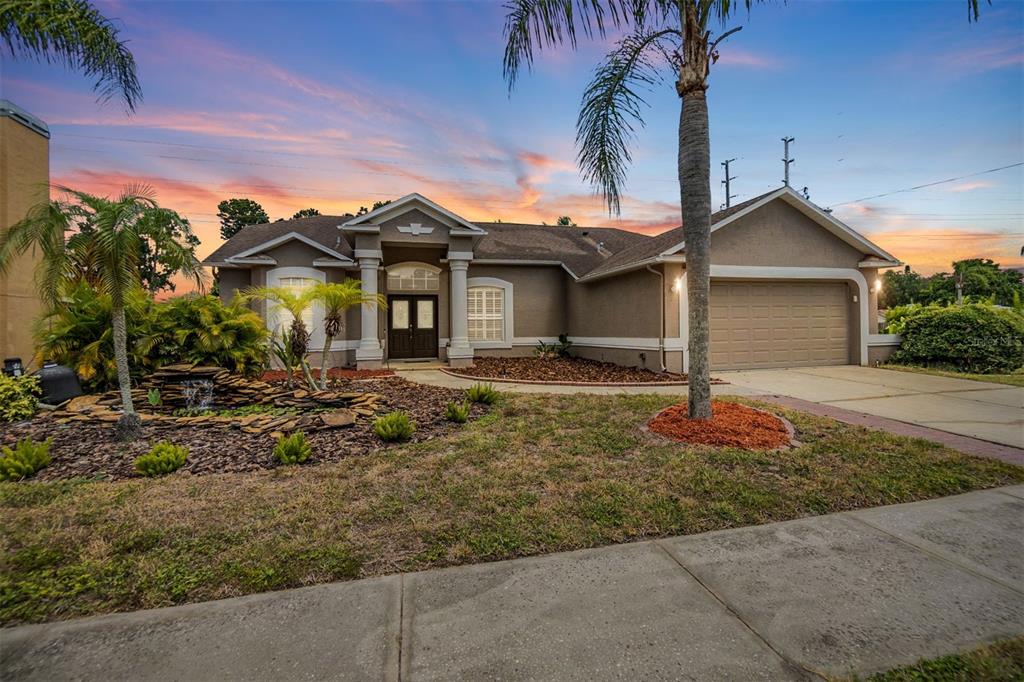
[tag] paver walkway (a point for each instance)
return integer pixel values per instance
(831, 595)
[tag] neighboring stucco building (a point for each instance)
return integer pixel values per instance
(24, 182)
(791, 285)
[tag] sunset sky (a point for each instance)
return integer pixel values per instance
(339, 104)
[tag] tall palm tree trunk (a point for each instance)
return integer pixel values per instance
(129, 425)
(695, 190)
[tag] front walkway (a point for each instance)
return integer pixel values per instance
(830, 595)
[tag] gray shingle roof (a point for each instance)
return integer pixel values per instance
(322, 229)
(576, 247)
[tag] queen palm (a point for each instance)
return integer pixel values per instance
(661, 36)
(336, 298)
(74, 33)
(111, 244)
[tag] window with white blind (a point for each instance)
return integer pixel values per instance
(296, 284)
(413, 277)
(486, 314)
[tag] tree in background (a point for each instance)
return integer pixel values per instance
(112, 244)
(306, 213)
(155, 271)
(235, 214)
(377, 204)
(336, 298)
(565, 221)
(73, 33)
(974, 279)
(671, 36)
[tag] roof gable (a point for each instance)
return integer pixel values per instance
(370, 222)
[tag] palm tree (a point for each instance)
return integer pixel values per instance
(112, 244)
(74, 33)
(294, 339)
(672, 35)
(336, 298)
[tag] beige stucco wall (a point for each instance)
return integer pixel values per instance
(233, 281)
(24, 179)
(779, 235)
(624, 306)
(538, 295)
(880, 354)
(389, 229)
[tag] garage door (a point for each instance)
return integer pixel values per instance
(780, 324)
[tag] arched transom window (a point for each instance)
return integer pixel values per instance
(413, 277)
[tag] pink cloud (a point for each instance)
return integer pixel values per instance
(969, 186)
(738, 57)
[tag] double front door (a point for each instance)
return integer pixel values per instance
(412, 326)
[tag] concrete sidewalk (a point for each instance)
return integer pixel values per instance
(830, 595)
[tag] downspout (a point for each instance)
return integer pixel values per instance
(661, 319)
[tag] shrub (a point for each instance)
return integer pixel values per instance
(457, 412)
(482, 393)
(163, 458)
(395, 426)
(153, 397)
(198, 329)
(18, 397)
(896, 318)
(970, 338)
(25, 459)
(559, 349)
(292, 449)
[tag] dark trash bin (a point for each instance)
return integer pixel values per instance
(58, 383)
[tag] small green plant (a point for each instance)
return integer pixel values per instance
(25, 459)
(394, 426)
(482, 393)
(163, 458)
(18, 397)
(457, 412)
(154, 397)
(550, 351)
(292, 449)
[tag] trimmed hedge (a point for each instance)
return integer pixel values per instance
(976, 338)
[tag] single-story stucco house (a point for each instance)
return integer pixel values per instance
(791, 285)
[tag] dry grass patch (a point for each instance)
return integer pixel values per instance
(538, 474)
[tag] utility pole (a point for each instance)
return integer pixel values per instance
(787, 160)
(728, 197)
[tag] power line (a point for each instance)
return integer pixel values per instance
(930, 184)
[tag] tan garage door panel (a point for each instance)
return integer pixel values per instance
(759, 324)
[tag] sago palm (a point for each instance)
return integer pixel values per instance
(661, 37)
(74, 33)
(336, 298)
(117, 228)
(294, 302)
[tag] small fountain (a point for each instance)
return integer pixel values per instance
(198, 395)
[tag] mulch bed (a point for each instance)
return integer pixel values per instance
(82, 449)
(563, 371)
(332, 373)
(731, 425)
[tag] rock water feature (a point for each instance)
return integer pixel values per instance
(190, 395)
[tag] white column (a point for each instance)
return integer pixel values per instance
(369, 352)
(459, 348)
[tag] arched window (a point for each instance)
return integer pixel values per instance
(413, 277)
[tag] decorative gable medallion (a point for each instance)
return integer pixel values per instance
(415, 229)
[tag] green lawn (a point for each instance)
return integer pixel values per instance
(999, 662)
(538, 474)
(1015, 379)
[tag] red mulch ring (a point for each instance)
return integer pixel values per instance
(731, 425)
(332, 373)
(562, 370)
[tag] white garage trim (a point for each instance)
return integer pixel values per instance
(827, 274)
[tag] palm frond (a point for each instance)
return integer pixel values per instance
(74, 33)
(534, 24)
(612, 107)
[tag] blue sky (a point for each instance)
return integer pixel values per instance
(336, 105)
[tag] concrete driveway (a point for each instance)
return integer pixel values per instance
(992, 412)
